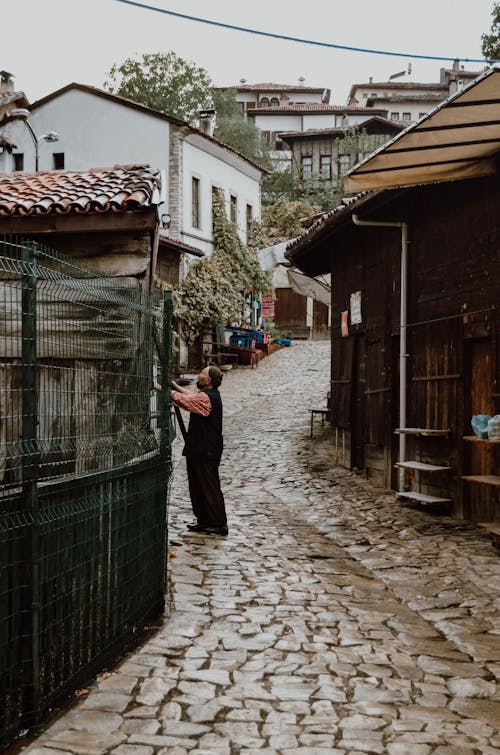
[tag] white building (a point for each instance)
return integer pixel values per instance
(407, 101)
(267, 94)
(99, 129)
(275, 108)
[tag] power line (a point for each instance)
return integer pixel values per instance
(285, 38)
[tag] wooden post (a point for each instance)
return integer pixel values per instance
(30, 469)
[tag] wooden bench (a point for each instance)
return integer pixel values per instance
(217, 354)
(494, 529)
(323, 413)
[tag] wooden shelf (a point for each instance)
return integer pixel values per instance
(423, 497)
(483, 479)
(426, 431)
(491, 526)
(475, 439)
(494, 530)
(422, 467)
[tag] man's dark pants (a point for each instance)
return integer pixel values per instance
(205, 491)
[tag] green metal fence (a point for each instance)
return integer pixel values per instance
(84, 469)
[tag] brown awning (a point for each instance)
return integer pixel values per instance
(459, 139)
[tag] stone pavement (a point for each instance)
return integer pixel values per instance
(333, 619)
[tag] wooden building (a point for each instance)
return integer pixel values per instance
(301, 305)
(415, 267)
(323, 156)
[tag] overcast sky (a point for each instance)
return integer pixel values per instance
(49, 43)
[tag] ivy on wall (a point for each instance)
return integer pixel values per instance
(214, 288)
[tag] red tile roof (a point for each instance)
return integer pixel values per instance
(97, 190)
(269, 86)
(311, 107)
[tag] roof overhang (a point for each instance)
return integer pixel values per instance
(175, 245)
(458, 139)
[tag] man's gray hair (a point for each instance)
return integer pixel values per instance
(215, 375)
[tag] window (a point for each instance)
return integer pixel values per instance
(241, 106)
(365, 95)
(421, 115)
(407, 116)
(307, 164)
(275, 102)
(344, 164)
(325, 166)
(58, 160)
(264, 102)
(233, 209)
(18, 161)
(249, 220)
(394, 116)
(195, 202)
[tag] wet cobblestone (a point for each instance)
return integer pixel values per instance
(333, 619)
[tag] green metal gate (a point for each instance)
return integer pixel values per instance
(85, 465)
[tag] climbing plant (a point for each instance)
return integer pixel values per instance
(214, 288)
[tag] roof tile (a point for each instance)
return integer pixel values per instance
(97, 190)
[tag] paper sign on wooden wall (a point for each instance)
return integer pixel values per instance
(356, 318)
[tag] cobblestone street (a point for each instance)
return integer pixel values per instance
(332, 619)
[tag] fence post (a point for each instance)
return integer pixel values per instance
(165, 400)
(30, 469)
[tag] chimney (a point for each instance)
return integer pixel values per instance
(370, 80)
(301, 81)
(456, 65)
(206, 122)
(243, 81)
(6, 82)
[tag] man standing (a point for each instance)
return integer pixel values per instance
(203, 450)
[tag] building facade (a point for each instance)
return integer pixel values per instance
(97, 128)
(321, 157)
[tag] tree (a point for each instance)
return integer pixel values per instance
(164, 82)
(282, 220)
(490, 43)
(231, 127)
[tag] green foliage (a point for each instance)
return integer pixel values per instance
(231, 127)
(213, 290)
(164, 82)
(278, 186)
(282, 220)
(490, 43)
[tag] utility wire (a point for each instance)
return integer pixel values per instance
(269, 34)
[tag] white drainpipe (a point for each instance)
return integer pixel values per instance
(403, 355)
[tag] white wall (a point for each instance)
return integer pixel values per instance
(212, 171)
(95, 132)
(270, 122)
(317, 120)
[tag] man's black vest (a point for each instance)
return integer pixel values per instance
(204, 435)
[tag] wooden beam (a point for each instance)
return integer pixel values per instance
(90, 223)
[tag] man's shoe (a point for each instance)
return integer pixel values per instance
(208, 530)
(217, 531)
(196, 528)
